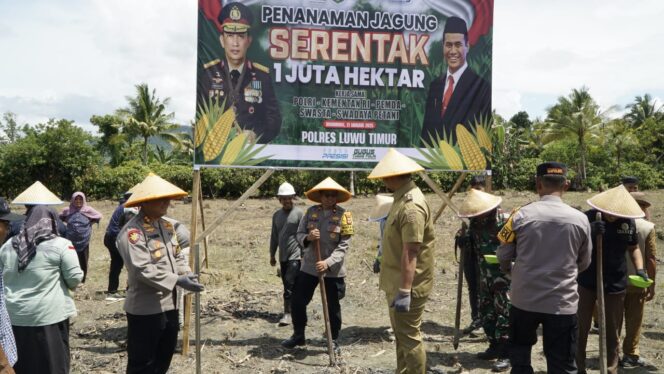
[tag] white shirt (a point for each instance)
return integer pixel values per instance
(456, 76)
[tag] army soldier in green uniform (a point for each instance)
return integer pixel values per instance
(332, 226)
(485, 223)
(155, 264)
(238, 83)
(406, 272)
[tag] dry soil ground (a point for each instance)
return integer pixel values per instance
(242, 304)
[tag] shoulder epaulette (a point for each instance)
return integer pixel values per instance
(260, 67)
(211, 63)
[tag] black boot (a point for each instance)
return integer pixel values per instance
(503, 361)
(294, 341)
(286, 318)
(491, 353)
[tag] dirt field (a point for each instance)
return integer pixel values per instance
(242, 304)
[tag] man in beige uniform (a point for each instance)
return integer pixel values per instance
(155, 264)
(406, 273)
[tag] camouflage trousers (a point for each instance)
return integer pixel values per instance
(494, 303)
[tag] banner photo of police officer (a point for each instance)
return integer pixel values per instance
(335, 83)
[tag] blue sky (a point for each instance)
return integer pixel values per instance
(72, 59)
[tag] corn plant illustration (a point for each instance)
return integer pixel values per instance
(440, 154)
(219, 137)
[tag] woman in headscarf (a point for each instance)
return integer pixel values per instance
(79, 217)
(39, 268)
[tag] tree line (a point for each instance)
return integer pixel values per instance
(598, 145)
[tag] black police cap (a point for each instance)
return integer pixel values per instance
(551, 168)
(628, 179)
(235, 17)
(455, 25)
(477, 180)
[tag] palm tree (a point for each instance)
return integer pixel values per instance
(146, 116)
(576, 116)
(644, 107)
(620, 136)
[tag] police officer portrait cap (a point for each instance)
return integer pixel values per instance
(235, 17)
(628, 179)
(455, 25)
(6, 213)
(551, 168)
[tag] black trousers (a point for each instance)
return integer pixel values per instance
(305, 285)
(559, 333)
(42, 349)
(471, 272)
(116, 264)
(151, 341)
(289, 270)
(83, 257)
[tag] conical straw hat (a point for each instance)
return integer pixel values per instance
(328, 184)
(382, 207)
(477, 203)
(616, 202)
(153, 187)
(37, 194)
(394, 163)
(641, 198)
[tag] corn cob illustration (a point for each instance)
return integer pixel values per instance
(201, 130)
(217, 137)
(471, 152)
(483, 138)
(233, 149)
(451, 156)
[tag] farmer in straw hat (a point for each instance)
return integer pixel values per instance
(485, 222)
(155, 264)
(379, 214)
(37, 194)
(636, 297)
(332, 226)
(406, 273)
(619, 236)
(550, 243)
(285, 222)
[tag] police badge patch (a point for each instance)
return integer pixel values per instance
(134, 235)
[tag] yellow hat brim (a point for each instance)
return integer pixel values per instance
(616, 202)
(328, 184)
(382, 208)
(37, 194)
(394, 163)
(153, 187)
(477, 203)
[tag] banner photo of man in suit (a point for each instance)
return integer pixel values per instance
(336, 83)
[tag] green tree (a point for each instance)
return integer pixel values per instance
(112, 141)
(620, 137)
(643, 108)
(521, 120)
(10, 128)
(146, 116)
(55, 153)
(575, 116)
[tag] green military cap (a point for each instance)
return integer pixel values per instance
(235, 17)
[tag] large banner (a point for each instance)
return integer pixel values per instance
(335, 83)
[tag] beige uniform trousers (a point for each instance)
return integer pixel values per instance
(411, 357)
(634, 304)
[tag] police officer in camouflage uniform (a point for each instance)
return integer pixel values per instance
(332, 227)
(238, 83)
(155, 263)
(494, 304)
